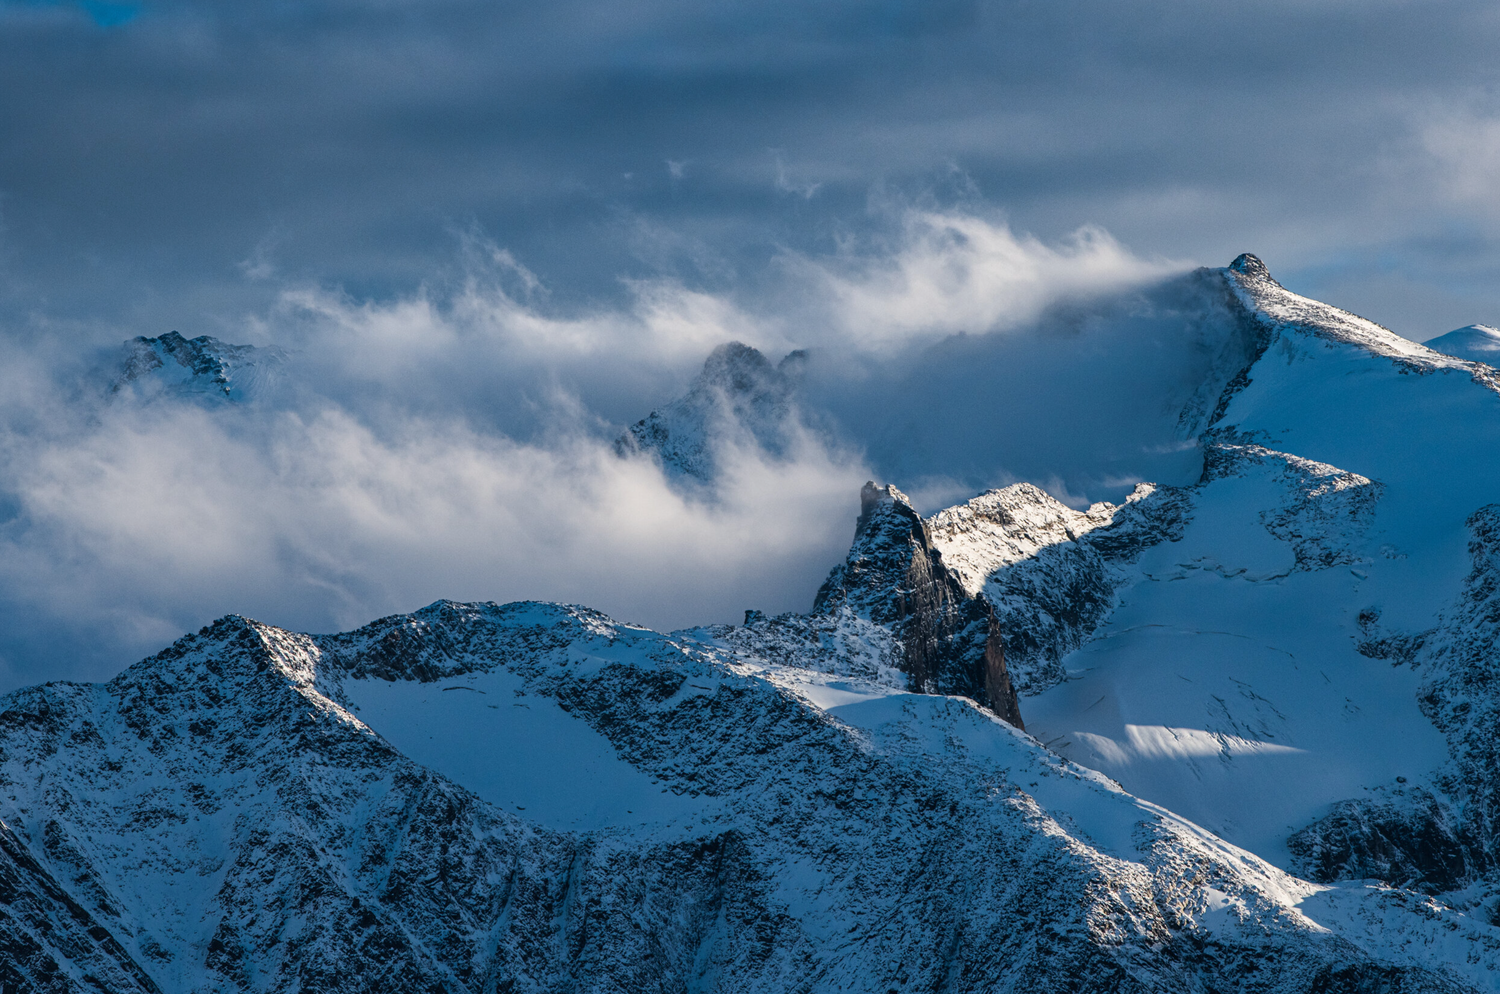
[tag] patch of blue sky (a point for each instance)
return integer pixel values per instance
(104, 13)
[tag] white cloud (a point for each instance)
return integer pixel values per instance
(456, 443)
(953, 272)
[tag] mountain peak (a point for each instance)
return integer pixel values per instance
(739, 398)
(880, 507)
(203, 365)
(950, 640)
(1250, 265)
(1478, 342)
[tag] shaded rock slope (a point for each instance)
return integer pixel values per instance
(892, 613)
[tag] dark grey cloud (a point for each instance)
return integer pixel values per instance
(141, 163)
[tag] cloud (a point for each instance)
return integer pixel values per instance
(456, 441)
(954, 272)
(154, 519)
(298, 174)
(149, 159)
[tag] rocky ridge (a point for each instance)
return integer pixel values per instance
(1263, 707)
(892, 613)
(228, 818)
(738, 400)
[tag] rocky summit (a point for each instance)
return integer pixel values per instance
(195, 367)
(1234, 732)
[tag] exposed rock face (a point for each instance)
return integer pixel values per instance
(739, 399)
(1412, 842)
(199, 366)
(950, 639)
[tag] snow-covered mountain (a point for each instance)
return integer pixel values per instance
(533, 797)
(738, 400)
(196, 367)
(1234, 732)
(1478, 342)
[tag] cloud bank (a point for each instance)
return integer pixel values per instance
(456, 442)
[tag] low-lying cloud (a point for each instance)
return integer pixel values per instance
(456, 443)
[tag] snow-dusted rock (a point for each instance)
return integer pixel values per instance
(197, 367)
(1287, 667)
(244, 812)
(1050, 571)
(1299, 660)
(738, 400)
(891, 612)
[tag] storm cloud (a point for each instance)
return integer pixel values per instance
(165, 163)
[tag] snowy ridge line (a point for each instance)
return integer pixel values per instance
(238, 839)
(1253, 284)
(1052, 572)
(1005, 526)
(202, 366)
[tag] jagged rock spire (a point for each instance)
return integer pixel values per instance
(894, 576)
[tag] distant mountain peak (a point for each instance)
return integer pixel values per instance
(202, 366)
(738, 398)
(1476, 342)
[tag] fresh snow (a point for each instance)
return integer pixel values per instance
(521, 752)
(533, 797)
(1478, 342)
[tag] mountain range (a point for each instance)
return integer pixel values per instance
(1234, 731)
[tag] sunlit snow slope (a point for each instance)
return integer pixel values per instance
(1264, 661)
(258, 810)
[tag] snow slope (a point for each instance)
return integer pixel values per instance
(1478, 342)
(1259, 752)
(1267, 665)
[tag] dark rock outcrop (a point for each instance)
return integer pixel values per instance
(950, 641)
(1417, 845)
